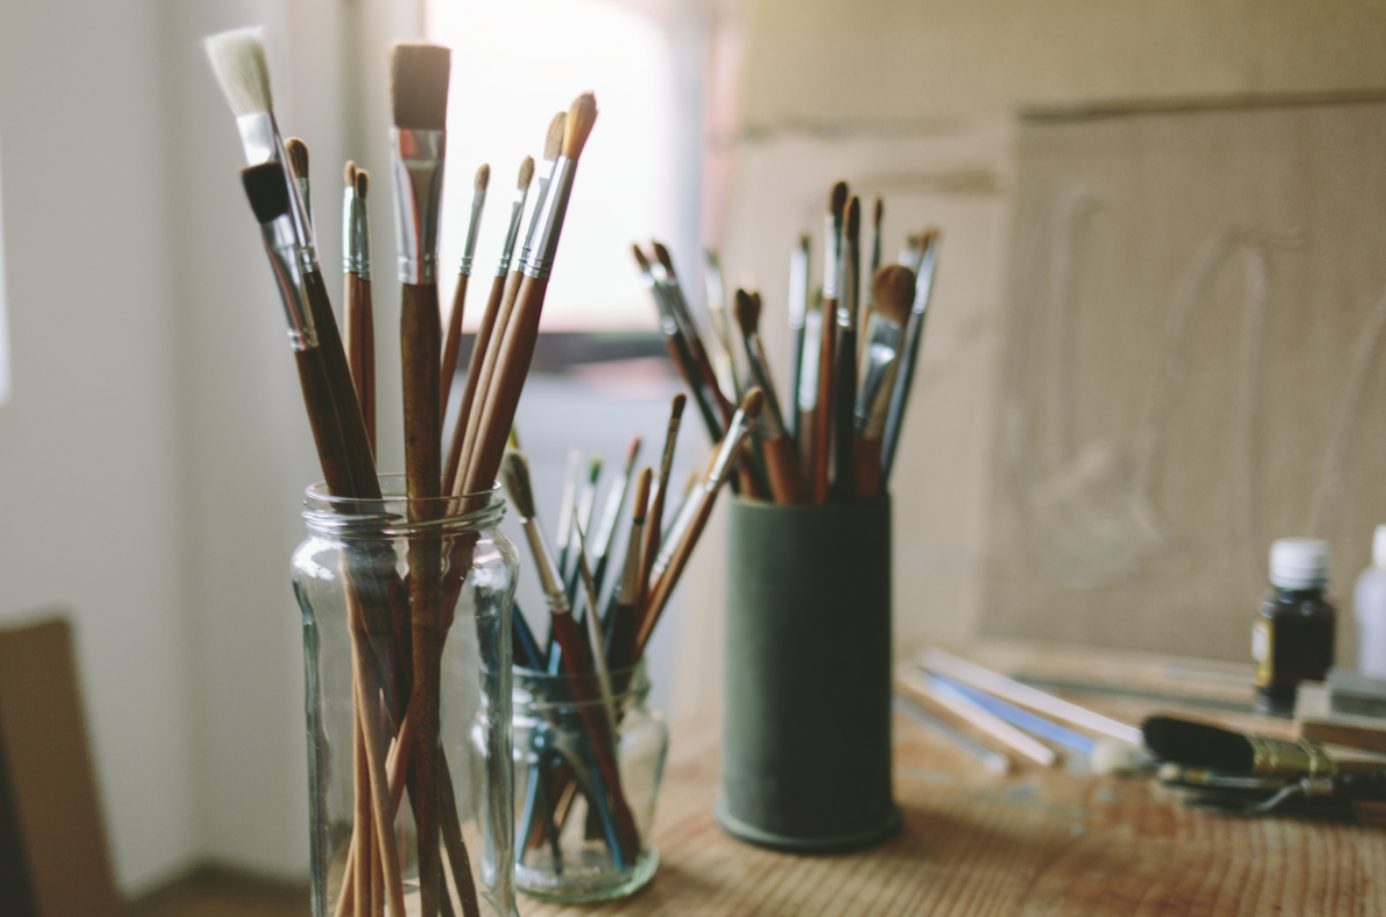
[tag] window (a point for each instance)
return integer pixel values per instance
(516, 62)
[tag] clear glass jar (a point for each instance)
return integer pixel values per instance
(380, 640)
(568, 849)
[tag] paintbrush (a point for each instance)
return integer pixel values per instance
(620, 623)
(481, 343)
(673, 556)
(582, 514)
(820, 451)
(892, 290)
(914, 335)
(724, 354)
(667, 276)
(844, 371)
(781, 456)
(655, 518)
(593, 625)
(452, 344)
(359, 317)
(611, 515)
(240, 65)
(514, 473)
(567, 504)
(877, 218)
(798, 310)
(419, 92)
(488, 367)
(1193, 744)
(296, 152)
(676, 342)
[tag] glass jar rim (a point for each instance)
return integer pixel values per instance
(395, 514)
(635, 679)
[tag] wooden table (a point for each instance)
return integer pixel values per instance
(1035, 842)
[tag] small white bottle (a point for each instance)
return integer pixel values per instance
(1369, 605)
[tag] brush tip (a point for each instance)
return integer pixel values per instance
(837, 199)
(852, 220)
(297, 151)
(526, 173)
(419, 85)
(363, 182)
(892, 292)
(753, 402)
(1195, 744)
(594, 469)
(483, 177)
(676, 409)
(266, 187)
(632, 451)
(349, 173)
(746, 311)
(643, 482)
(553, 140)
(240, 65)
(665, 259)
(514, 472)
(878, 212)
(640, 258)
(582, 114)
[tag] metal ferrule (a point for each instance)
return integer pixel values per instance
(873, 398)
(281, 244)
(549, 220)
(630, 576)
(541, 197)
(356, 235)
(473, 230)
(549, 580)
(1281, 758)
(848, 294)
(512, 233)
(731, 447)
(418, 161)
(808, 373)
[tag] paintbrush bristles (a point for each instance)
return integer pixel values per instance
(239, 63)
(419, 85)
(664, 258)
(514, 473)
(267, 190)
(752, 404)
(578, 125)
(526, 174)
(851, 226)
(349, 173)
(483, 177)
(641, 506)
(676, 408)
(746, 309)
(363, 181)
(297, 152)
(837, 199)
(892, 291)
(553, 140)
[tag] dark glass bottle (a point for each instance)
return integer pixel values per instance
(1292, 638)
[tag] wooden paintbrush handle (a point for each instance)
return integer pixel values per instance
(469, 389)
(452, 346)
(821, 451)
(360, 348)
(868, 467)
(488, 379)
(356, 446)
(785, 472)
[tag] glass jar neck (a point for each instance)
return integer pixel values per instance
(540, 690)
(394, 514)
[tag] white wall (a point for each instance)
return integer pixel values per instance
(89, 521)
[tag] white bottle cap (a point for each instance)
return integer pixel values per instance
(1298, 563)
(1379, 546)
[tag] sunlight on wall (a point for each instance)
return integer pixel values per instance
(514, 64)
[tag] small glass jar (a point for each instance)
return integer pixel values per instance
(406, 602)
(568, 847)
(1292, 638)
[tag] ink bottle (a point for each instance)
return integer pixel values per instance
(1292, 638)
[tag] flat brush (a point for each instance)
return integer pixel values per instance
(452, 342)
(514, 473)
(673, 557)
(619, 626)
(781, 455)
(359, 313)
(419, 92)
(481, 343)
(798, 311)
(820, 451)
(914, 336)
(845, 357)
(297, 152)
(655, 517)
(241, 67)
(892, 289)
(1194, 744)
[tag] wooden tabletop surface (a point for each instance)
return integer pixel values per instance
(1035, 842)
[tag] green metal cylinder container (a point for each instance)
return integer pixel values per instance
(806, 735)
